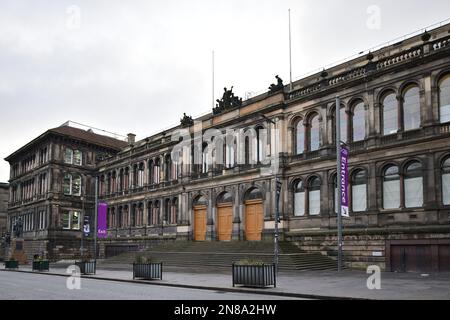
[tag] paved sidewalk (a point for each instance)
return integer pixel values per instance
(348, 284)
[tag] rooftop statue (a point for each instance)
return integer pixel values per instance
(229, 101)
(276, 87)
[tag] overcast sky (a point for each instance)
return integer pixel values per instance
(136, 66)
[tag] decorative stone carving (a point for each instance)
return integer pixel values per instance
(276, 87)
(186, 121)
(228, 102)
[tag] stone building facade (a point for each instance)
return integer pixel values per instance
(52, 187)
(4, 196)
(214, 178)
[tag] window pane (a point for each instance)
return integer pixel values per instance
(300, 137)
(391, 194)
(314, 134)
(314, 203)
(444, 100)
(65, 220)
(446, 188)
(75, 220)
(359, 122)
(77, 155)
(68, 158)
(390, 115)
(344, 124)
(413, 192)
(411, 109)
(76, 186)
(359, 198)
(66, 184)
(299, 204)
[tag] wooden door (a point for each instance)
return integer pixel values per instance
(224, 222)
(412, 258)
(200, 223)
(254, 220)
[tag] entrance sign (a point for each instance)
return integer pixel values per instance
(344, 182)
(102, 228)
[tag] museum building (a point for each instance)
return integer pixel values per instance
(214, 178)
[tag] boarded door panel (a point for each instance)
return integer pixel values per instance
(444, 258)
(225, 222)
(413, 258)
(200, 224)
(254, 220)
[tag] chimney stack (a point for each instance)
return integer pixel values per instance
(131, 138)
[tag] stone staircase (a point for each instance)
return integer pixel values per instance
(220, 256)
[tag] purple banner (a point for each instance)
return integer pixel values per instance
(102, 227)
(344, 182)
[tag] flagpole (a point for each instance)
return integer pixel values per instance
(290, 51)
(213, 79)
(338, 179)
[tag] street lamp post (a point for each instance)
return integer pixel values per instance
(278, 186)
(338, 179)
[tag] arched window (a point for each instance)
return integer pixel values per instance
(224, 197)
(126, 179)
(247, 151)
(113, 222)
(391, 188)
(149, 213)
(411, 108)
(314, 196)
(126, 218)
(359, 122)
(167, 208)
(140, 215)
(314, 133)
(344, 124)
(167, 168)
(200, 201)
(261, 142)
(413, 185)
(174, 212)
(299, 137)
(120, 218)
(299, 199)
(133, 215)
(141, 175)
(444, 99)
(335, 194)
(253, 194)
(113, 182)
(156, 213)
(157, 171)
(390, 114)
(446, 182)
(205, 159)
(359, 191)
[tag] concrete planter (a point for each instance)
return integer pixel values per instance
(257, 276)
(41, 265)
(11, 264)
(87, 267)
(147, 271)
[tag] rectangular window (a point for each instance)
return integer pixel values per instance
(77, 158)
(299, 210)
(68, 157)
(67, 184)
(391, 194)
(359, 198)
(65, 220)
(76, 186)
(413, 192)
(75, 220)
(446, 188)
(314, 203)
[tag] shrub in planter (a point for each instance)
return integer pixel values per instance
(39, 264)
(86, 265)
(251, 273)
(11, 264)
(145, 268)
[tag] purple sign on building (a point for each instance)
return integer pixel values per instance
(344, 182)
(102, 227)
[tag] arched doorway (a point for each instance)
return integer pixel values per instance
(224, 216)
(254, 215)
(200, 209)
